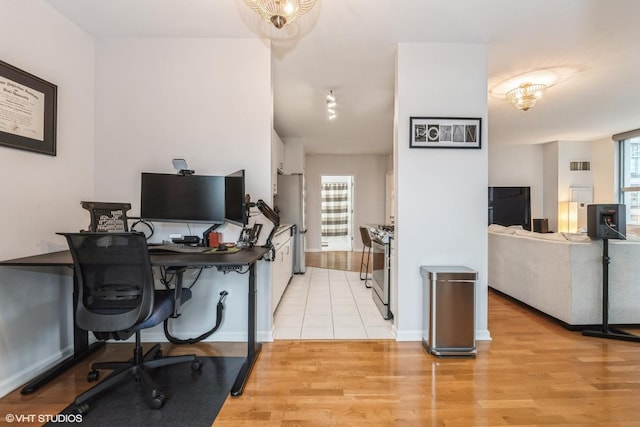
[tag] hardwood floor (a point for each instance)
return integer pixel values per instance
(338, 260)
(533, 372)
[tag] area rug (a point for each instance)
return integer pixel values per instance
(195, 398)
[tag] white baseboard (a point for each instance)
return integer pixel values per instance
(407, 335)
(30, 372)
(483, 335)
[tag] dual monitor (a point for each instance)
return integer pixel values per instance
(193, 198)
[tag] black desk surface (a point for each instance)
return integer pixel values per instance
(246, 256)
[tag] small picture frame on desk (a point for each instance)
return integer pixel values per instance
(28, 108)
(445, 132)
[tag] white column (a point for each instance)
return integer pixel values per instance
(441, 192)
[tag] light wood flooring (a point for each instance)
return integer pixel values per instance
(337, 260)
(533, 372)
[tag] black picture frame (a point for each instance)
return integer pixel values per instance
(445, 132)
(28, 111)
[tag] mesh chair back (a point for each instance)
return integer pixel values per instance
(366, 238)
(115, 280)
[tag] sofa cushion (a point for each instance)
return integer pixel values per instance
(497, 228)
(577, 237)
(556, 237)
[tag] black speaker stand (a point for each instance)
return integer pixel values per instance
(606, 331)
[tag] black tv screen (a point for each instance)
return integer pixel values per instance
(182, 198)
(510, 206)
(234, 198)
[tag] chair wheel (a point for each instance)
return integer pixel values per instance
(93, 375)
(82, 409)
(196, 365)
(157, 401)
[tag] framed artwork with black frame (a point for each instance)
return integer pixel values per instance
(28, 107)
(445, 132)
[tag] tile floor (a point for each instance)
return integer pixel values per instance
(329, 304)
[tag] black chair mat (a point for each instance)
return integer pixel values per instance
(194, 398)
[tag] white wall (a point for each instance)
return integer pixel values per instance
(572, 151)
(41, 194)
(545, 168)
(604, 169)
(441, 193)
(156, 99)
(518, 166)
(550, 184)
(164, 98)
(369, 188)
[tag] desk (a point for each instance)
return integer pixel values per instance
(226, 261)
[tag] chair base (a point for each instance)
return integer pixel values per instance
(136, 368)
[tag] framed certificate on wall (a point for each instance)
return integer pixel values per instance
(27, 111)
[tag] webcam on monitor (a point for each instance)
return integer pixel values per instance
(606, 221)
(181, 166)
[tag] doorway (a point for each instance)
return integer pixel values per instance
(336, 213)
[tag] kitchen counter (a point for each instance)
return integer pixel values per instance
(282, 228)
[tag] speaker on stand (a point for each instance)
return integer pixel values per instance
(607, 222)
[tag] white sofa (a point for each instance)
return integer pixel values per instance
(560, 274)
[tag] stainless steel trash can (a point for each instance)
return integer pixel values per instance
(449, 320)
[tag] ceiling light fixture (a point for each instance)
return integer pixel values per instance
(332, 103)
(281, 12)
(526, 95)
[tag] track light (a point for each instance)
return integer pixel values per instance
(331, 97)
(331, 105)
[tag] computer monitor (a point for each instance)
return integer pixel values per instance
(182, 198)
(235, 209)
(510, 206)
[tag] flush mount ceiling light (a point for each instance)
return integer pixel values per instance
(331, 105)
(281, 12)
(526, 95)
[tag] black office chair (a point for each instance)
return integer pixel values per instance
(366, 246)
(117, 299)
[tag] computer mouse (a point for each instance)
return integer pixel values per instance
(222, 247)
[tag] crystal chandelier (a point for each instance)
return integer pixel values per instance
(526, 95)
(281, 12)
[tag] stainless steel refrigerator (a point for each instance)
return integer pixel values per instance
(290, 204)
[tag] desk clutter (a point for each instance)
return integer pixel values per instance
(229, 248)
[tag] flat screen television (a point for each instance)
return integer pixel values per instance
(510, 206)
(235, 209)
(182, 198)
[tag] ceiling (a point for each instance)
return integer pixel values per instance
(349, 46)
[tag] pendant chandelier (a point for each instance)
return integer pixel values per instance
(526, 95)
(281, 12)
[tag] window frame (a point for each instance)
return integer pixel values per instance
(629, 170)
